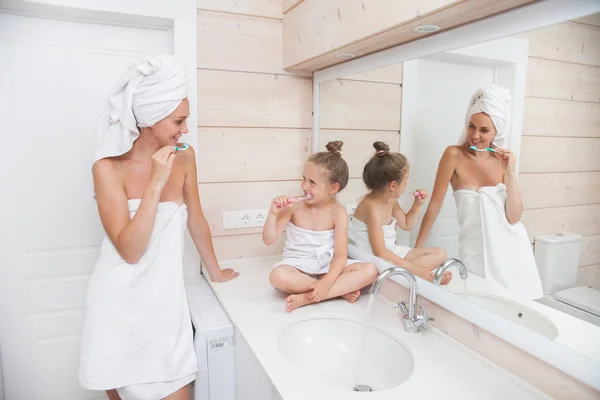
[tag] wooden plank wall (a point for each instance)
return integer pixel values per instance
(254, 118)
(560, 160)
(359, 110)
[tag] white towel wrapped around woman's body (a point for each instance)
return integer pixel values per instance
(490, 246)
(137, 327)
(309, 251)
(358, 236)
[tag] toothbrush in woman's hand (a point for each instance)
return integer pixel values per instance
(486, 149)
(182, 148)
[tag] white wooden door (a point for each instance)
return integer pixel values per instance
(54, 78)
(436, 92)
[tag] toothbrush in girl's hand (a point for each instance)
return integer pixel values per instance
(417, 194)
(292, 200)
(182, 148)
(307, 196)
(486, 149)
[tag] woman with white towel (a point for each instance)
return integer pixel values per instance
(492, 241)
(137, 336)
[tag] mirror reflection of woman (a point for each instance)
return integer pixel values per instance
(482, 172)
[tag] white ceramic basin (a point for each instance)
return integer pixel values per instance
(514, 312)
(343, 354)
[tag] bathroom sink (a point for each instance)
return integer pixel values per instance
(346, 354)
(514, 312)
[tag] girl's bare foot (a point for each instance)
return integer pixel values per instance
(446, 278)
(352, 297)
(297, 300)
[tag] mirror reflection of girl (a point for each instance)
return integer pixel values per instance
(315, 263)
(372, 227)
(492, 241)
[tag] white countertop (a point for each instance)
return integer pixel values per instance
(573, 333)
(443, 369)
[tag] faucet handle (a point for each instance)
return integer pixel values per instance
(423, 318)
(403, 307)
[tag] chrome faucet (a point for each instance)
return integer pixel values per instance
(439, 272)
(412, 321)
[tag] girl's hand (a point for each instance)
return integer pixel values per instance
(508, 158)
(320, 291)
(279, 203)
(421, 195)
(225, 275)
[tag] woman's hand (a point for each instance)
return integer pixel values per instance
(162, 163)
(509, 160)
(225, 275)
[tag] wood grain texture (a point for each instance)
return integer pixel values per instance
(253, 100)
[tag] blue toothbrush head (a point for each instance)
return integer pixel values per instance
(182, 148)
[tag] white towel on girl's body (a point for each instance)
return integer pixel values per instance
(358, 235)
(137, 326)
(309, 251)
(493, 248)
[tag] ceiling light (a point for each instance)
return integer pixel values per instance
(426, 28)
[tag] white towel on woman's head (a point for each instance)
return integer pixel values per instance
(146, 93)
(495, 102)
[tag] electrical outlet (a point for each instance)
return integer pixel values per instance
(350, 208)
(244, 219)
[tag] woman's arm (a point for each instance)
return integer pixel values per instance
(130, 236)
(197, 224)
(514, 204)
(446, 169)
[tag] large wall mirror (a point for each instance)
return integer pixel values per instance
(416, 100)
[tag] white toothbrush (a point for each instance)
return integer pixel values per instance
(307, 196)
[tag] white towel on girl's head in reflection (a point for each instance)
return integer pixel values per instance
(493, 248)
(146, 93)
(495, 102)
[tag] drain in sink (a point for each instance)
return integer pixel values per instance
(362, 388)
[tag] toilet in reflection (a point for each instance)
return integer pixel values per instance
(557, 258)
